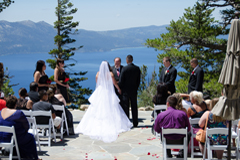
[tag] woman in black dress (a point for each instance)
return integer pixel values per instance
(40, 76)
(60, 79)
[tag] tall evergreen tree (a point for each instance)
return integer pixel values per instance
(194, 35)
(65, 50)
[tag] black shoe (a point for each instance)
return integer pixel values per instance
(180, 156)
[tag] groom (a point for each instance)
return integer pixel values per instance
(129, 83)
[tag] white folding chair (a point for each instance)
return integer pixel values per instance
(183, 146)
(28, 113)
(238, 143)
(158, 107)
(209, 147)
(64, 119)
(33, 130)
(10, 144)
(194, 121)
(49, 127)
(234, 128)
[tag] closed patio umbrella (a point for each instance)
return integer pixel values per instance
(228, 105)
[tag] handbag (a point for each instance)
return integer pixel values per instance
(201, 134)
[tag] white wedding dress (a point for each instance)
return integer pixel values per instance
(105, 118)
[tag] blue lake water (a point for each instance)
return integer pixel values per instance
(22, 66)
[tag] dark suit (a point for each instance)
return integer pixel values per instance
(169, 78)
(196, 80)
(116, 77)
(114, 70)
(129, 83)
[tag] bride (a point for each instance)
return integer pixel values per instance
(105, 118)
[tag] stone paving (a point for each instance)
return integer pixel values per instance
(132, 145)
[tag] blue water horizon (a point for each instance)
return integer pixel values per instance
(22, 66)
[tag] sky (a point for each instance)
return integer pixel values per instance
(102, 15)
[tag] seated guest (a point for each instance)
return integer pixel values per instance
(43, 105)
(23, 101)
(53, 100)
(216, 139)
(198, 107)
(186, 100)
(57, 94)
(33, 94)
(11, 117)
(2, 101)
(213, 102)
(179, 105)
(173, 118)
(161, 96)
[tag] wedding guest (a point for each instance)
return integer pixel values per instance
(168, 75)
(2, 101)
(33, 94)
(40, 76)
(161, 96)
(185, 99)
(11, 117)
(212, 103)
(199, 106)
(216, 139)
(173, 118)
(54, 101)
(179, 105)
(43, 105)
(57, 94)
(23, 101)
(196, 77)
(60, 79)
(129, 83)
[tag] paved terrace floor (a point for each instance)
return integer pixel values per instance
(132, 145)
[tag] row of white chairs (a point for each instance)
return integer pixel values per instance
(61, 108)
(235, 134)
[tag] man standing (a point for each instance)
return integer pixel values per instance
(196, 77)
(172, 118)
(129, 83)
(117, 68)
(168, 75)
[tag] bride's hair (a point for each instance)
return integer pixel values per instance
(109, 67)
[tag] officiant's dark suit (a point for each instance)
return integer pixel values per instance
(116, 70)
(117, 67)
(196, 77)
(129, 83)
(168, 75)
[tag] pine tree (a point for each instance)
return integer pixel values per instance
(194, 35)
(65, 50)
(5, 4)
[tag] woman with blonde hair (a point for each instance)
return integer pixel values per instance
(198, 107)
(179, 105)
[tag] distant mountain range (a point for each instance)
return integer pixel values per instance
(31, 37)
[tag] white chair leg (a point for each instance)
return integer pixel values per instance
(192, 147)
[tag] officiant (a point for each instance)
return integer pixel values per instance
(116, 69)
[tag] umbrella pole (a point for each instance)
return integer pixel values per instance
(229, 140)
